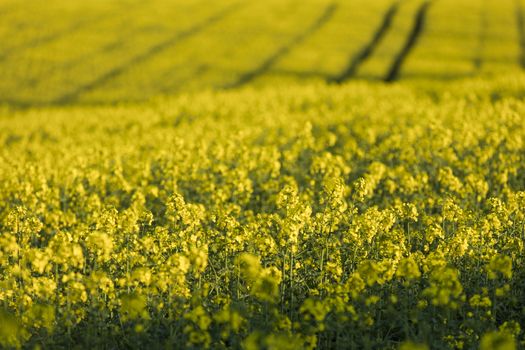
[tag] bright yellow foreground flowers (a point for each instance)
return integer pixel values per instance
(359, 216)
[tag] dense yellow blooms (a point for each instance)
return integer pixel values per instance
(355, 216)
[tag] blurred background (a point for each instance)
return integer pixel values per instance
(57, 52)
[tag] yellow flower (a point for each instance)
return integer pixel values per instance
(500, 264)
(408, 345)
(497, 341)
(133, 306)
(100, 244)
(12, 334)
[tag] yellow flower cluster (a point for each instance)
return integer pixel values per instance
(315, 216)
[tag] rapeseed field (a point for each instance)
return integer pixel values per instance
(262, 175)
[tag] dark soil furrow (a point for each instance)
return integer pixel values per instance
(413, 37)
(43, 40)
(482, 36)
(145, 55)
(369, 48)
(282, 51)
(520, 21)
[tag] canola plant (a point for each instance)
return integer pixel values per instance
(313, 216)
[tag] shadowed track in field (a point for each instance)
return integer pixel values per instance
(6, 9)
(45, 39)
(299, 74)
(482, 36)
(145, 55)
(282, 51)
(413, 37)
(520, 22)
(369, 48)
(109, 48)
